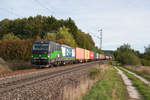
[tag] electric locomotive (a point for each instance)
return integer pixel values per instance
(46, 53)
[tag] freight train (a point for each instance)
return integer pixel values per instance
(48, 53)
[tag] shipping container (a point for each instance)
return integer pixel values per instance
(107, 57)
(91, 55)
(95, 56)
(102, 57)
(87, 54)
(67, 52)
(79, 54)
(110, 57)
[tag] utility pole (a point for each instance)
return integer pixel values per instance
(101, 37)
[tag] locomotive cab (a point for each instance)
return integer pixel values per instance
(40, 53)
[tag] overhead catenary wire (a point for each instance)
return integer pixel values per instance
(97, 37)
(43, 6)
(10, 12)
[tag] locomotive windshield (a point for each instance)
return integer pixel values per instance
(40, 46)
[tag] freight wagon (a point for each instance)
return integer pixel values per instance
(91, 55)
(68, 54)
(95, 56)
(79, 54)
(102, 57)
(87, 55)
(107, 57)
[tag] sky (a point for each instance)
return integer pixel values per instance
(122, 21)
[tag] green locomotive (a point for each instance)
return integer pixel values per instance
(46, 53)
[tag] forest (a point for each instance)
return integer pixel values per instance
(17, 36)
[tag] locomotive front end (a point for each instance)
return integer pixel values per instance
(40, 53)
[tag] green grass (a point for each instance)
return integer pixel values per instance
(93, 73)
(113, 63)
(140, 73)
(143, 88)
(110, 87)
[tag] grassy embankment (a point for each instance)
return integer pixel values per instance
(143, 88)
(110, 87)
(140, 70)
(76, 93)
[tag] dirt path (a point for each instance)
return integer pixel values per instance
(139, 77)
(133, 93)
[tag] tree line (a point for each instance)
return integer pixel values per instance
(21, 33)
(126, 55)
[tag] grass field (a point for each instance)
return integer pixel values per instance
(142, 71)
(143, 88)
(110, 87)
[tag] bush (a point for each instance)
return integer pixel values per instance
(131, 59)
(10, 37)
(16, 49)
(19, 65)
(4, 68)
(125, 55)
(145, 62)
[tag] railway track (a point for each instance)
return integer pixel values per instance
(13, 82)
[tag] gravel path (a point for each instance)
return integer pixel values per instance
(133, 93)
(139, 77)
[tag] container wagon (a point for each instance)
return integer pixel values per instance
(107, 57)
(102, 56)
(79, 54)
(87, 55)
(95, 56)
(68, 54)
(91, 55)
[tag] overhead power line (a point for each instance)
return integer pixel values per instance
(99, 38)
(10, 12)
(42, 5)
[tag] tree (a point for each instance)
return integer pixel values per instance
(85, 41)
(10, 37)
(4, 27)
(146, 54)
(63, 34)
(50, 36)
(43, 28)
(125, 55)
(147, 49)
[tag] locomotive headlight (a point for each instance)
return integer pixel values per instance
(48, 56)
